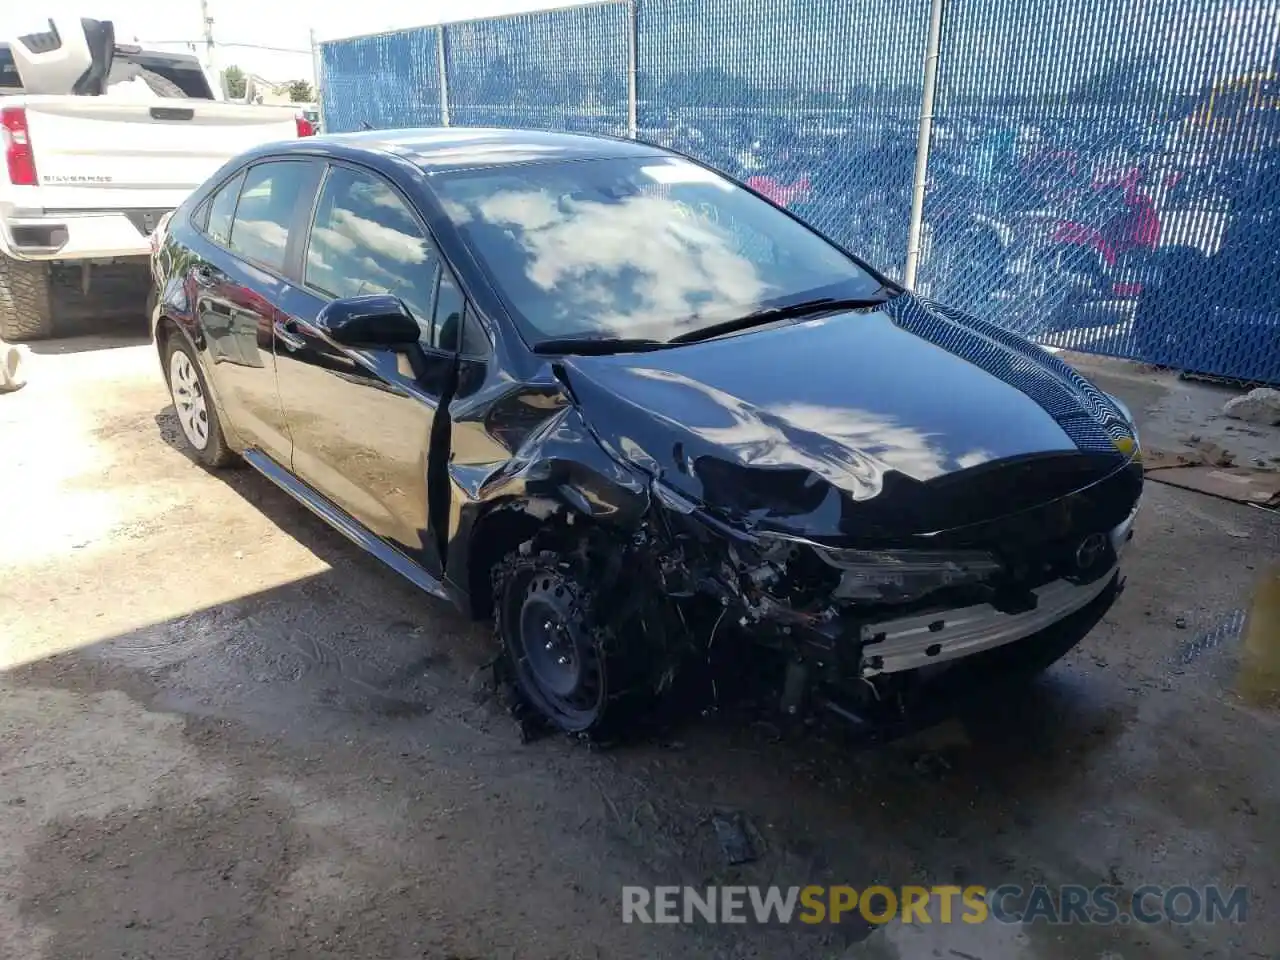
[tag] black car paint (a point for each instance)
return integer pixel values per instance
(1017, 446)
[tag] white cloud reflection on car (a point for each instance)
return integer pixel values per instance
(585, 251)
(763, 436)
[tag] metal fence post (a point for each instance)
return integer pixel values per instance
(916, 229)
(442, 64)
(315, 68)
(632, 66)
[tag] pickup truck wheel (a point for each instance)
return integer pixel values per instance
(25, 309)
(569, 663)
(196, 414)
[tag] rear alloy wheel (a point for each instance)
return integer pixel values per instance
(568, 664)
(195, 411)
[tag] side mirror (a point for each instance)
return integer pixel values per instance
(379, 320)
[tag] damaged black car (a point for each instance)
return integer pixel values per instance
(640, 416)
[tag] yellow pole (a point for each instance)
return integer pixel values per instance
(1260, 659)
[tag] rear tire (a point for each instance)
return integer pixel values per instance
(197, 416)
(25, 309)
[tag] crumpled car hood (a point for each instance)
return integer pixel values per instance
(801, 427)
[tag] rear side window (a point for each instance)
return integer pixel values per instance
(221, 208)
(265, 212)
(365, 240)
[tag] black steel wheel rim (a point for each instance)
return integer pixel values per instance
(554, 652)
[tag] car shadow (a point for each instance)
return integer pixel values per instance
(333, 549)
(953, 803)
(355, 657)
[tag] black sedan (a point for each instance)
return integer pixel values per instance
(640, 416)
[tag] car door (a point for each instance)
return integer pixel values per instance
(236, 283)
(362, 420)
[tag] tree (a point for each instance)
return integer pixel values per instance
(300, 92)
(233, 79)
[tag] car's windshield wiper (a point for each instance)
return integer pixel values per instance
(597, 346)
(787, 311)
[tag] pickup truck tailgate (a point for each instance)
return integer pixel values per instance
(104, 153)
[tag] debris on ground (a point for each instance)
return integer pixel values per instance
(13, 374)
(1241, 485)
(731, 832)
(933, 765)
(1260, 405)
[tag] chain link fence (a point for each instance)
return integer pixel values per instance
(1101, 176)
(382, 81)
(562, 70)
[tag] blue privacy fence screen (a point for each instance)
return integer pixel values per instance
(1101, 176)
(563, 70)
(814, 103)
(1104, 177)
(388, 80)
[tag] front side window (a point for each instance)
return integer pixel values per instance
(449, 307)
(650, 247)
(265, 212)
(365, 241)
(475, 344)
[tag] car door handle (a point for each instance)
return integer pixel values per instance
(286, 332)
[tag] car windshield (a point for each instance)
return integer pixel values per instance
(638, 247)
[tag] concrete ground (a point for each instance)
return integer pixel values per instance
(226, 733)
(1183, 418)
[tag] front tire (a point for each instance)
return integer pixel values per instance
(581, 672)
(197, 417)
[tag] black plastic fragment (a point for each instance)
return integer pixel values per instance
(732, 834)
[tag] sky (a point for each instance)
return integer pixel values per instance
(279, 24)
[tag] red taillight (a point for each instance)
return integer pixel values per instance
(18, 156)
(305, 127)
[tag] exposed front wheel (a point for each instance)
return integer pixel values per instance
(576, 669)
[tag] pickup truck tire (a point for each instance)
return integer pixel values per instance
(163, 86)
(25, 309)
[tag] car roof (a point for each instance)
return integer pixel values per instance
(456, 148)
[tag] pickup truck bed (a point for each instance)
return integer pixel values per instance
(86, 179)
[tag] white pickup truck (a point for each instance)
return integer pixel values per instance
(99, 142)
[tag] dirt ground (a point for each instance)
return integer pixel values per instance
(226, 733)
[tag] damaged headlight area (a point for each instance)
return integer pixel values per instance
(778, 576)
(863, 631)
(903, 576)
